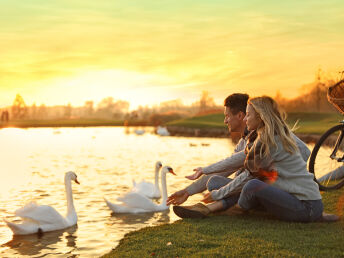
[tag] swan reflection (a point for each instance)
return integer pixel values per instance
(34, 244)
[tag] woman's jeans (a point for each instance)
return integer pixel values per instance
(278, 202)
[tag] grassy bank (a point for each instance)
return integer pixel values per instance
(254, 234)
(206, 121)
(309, 123)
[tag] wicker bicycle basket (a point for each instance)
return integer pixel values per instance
(335, 96)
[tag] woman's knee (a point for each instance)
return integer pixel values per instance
(214, 182)
(253, 185)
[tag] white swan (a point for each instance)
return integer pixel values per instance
(43, 218)
(147, 188)
(139, 131)
(137, 203)
(162, 131)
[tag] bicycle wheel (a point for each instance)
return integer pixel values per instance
(327, 159)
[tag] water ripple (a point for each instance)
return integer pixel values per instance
(104, 169)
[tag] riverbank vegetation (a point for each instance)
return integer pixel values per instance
(254, 234)
(306, 122)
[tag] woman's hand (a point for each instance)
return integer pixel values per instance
(207, 198)
(196, 175)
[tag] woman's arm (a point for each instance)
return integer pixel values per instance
(235, 186)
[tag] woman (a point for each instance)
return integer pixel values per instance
(278, 178)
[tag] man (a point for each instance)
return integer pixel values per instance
(218, 184)
(235, 111)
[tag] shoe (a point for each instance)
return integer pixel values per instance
(328, 217)
(198, 210)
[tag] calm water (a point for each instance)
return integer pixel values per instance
(106, 160)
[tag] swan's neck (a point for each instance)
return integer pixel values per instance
(164, 188)
(71, 214)
(157, 178)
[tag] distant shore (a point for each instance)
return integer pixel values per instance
(223, 133)
(176, 130)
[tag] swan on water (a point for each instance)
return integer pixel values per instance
(139, 131)
(162, 131)
(42, 218)
(147, 188)
(137, 203)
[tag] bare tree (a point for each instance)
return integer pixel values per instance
(19, 109)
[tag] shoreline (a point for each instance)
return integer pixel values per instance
(176, 131)
(223, 133)
(204, 237)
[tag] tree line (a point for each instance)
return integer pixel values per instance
(312, 99)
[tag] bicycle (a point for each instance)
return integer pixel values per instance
(327, 157)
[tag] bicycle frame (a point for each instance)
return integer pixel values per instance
(338, 142)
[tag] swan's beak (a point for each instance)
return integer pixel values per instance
(171, 171)
(76, 181)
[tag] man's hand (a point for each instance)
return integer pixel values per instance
(196, 175)
(178, 197)
(207, 198)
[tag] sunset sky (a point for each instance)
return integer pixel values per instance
(148, 51)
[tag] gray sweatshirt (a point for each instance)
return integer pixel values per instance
(287, 167)
(233, 163)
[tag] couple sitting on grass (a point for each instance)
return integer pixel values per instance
(270, 166)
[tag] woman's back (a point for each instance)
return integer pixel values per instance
(292, 173)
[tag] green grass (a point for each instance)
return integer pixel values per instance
(254, 234)
(206, 121)
(313, 123)
(309, 123)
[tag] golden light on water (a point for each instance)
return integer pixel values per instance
(106, 160)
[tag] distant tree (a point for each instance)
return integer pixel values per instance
(205, 102)
(42, 112)
(33, 109)
(88, 107)
(19, 109)
(67, 111)
(112, 109)
(313, 97)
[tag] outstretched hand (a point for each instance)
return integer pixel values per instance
(178, 197)
(196, 175)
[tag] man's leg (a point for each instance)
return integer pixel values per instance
(279, 203)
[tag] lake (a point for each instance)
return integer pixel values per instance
(106, 160)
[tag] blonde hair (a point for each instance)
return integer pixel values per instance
(273, 123)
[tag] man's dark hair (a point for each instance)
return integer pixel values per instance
(237, 102)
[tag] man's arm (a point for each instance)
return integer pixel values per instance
(305, 152)
(230, 164)
(198, 186)
(224, 168)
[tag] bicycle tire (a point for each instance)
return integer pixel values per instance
(320, 159)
